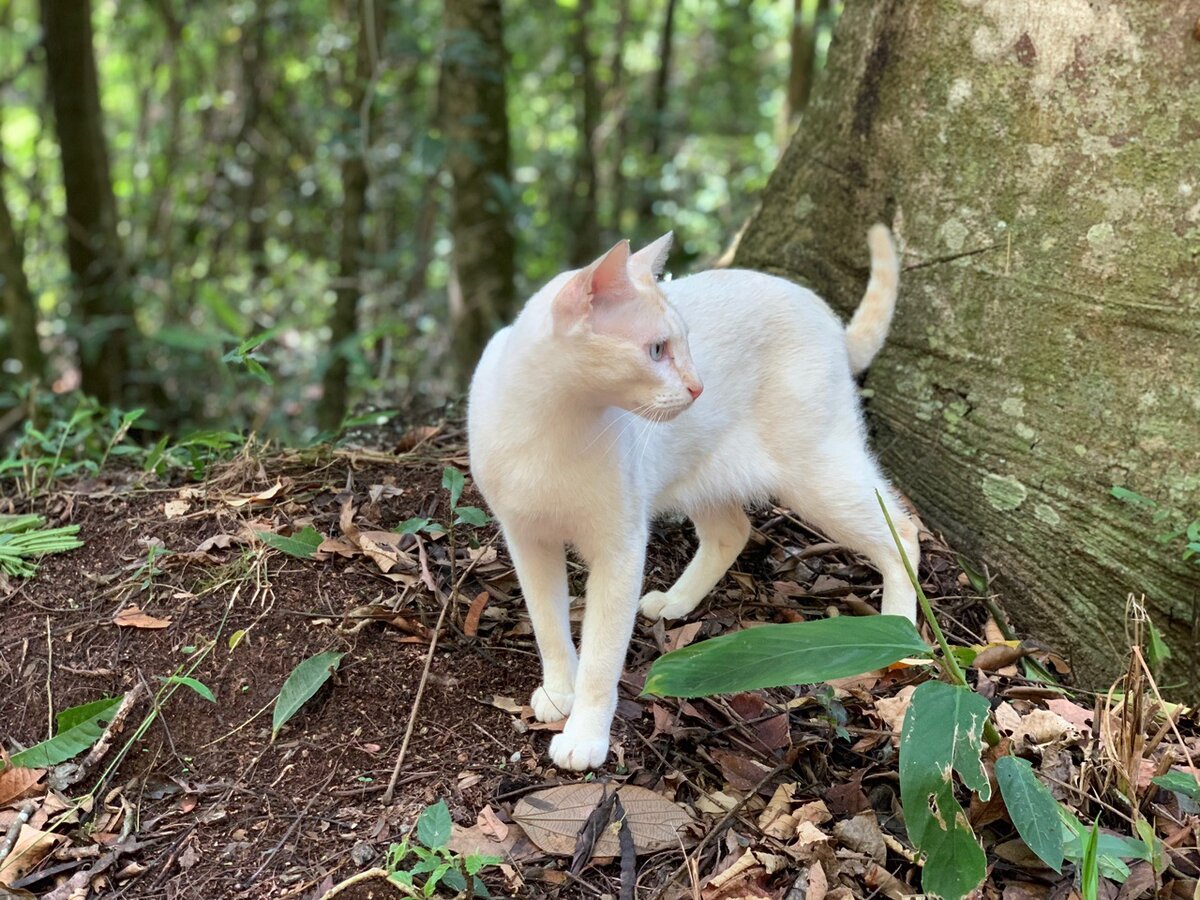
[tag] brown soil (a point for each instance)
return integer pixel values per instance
(220, 810)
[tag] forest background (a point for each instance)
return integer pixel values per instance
(267, 216)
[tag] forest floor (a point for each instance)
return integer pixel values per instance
(788, 793)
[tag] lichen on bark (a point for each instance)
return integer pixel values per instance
(1039, 164)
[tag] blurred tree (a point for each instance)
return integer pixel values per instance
(652, 176)
(352, 244)
(93, 246)
(20, 312)
(582, 211)
(1047, 341)
(807, 18)
(475, 100)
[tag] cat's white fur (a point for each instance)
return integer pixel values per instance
(579, 437)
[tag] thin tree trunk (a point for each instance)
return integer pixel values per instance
(616, 90)
(352, 247)
(1046, 345)
(475, 63)
(93, 247)
(804, 59)
(249, 141)
(658, 117)
(20, 312)
(585, 230)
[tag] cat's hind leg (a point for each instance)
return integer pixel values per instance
(542, 571)
(836, 493)
(723, 532)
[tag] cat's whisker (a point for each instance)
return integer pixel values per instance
(634, 418)
(615, 420)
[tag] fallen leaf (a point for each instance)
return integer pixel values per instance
(552, 818)
(862, 834)
(716, 803)
(173, 509)
(471, 624)
(997, 656)
(892, 709)
(474, 841)
(220, 542)
(31, 847)
(17, 783)
(682, 636)
(383, 547)
(1041, 726)
(776, 732)
(742, 773)
(1077, 715)
(508, 704)
(779, 807)
(133, 617)
(338, 547)
(414, 437)
(489, 823)
(261, 497)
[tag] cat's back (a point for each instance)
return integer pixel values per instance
(748, 301)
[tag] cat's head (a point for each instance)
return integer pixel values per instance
(621, 340)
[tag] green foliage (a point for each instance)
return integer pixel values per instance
(200, 688)
(1185, 534)
(775, 655)
(76, 729)
(433, 863)
(1089, 866)
(302, 545)
(23, 541)
(1032, 808)
(1181, 782)
(304, 681)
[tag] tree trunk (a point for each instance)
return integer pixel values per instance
(585, 231)
(352, 246)
(477, 156)
(658, 121)
(804, 59)
(93, 247)
(1038, 164)
(20, 312)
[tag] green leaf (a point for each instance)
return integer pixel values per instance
(476, 862)
(455, 881)
(777, 655)
(472, 515)
(411, 526)
(302, 544)
(943, 734)
(76, 730)
(453, 481)
(1133, 498)
(1111, 849)
(1157, 650)
(1032, 808)
(305, 680)
(1180, 782)
(1089, 868)
(436, 875)
(197, 686)
(433, 825)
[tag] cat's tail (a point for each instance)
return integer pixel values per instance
(869, 326)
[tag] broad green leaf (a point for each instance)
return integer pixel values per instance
(475, 862)
(433, 825)
(777, 655)
(305, 680)
(1089, 867)
(302, 544)
(198, 686)
(236, 638)
(436, 875)
(76, 730)
(1157, 650)
(943, 734)
(1181, 782)
(453, 481)
(411, 526)
(1111, 849)
(1032, 808)
(472, 515)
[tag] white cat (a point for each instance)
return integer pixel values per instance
(589, 415)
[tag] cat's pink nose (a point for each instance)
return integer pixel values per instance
(695, 390)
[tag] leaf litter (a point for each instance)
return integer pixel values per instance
(782, 793)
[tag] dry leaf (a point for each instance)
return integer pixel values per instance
(508, 704)
(489, 823)
(515, 847)
(779, 807)
(339, 547)
(133, 617)
(815, 812)
(31, 847)
(260, 497)
(1042, 726)
(552, 818)
(1007, 719)
(220, 542)
(997, 656)
(862, 834)
(173, 509)
(17, 783)
(682, 636)
(471, 624)
(892, 709)
(415, 437)
(383, 547)
(1074, 713)
(742, 773)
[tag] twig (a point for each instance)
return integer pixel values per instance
(628, 854)
(115, 725)
(49, 690)
(369, 875)
(10, 839)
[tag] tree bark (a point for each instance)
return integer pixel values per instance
(93, 246)
(585, 231)
(475, 101)
(352, 245)
(1038, 164)
(803, 68)
(20, 311)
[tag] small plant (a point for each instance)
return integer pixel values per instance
(945, 729)
(1188, 534)
(23, 541)
(433, 863)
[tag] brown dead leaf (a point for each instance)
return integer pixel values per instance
(776, 732)
(471, 624)
(489, 823)
(997, 656)
(862, 834)
(818, 883)
(682, 636)
(415, 437)
(892, 709)
(31, 847)
(383, 548)
(1041, 726)
(220, 542)
(552, 818)
(1077, 715)
(17, 783)
(515, 847)
(261, 497)
(508, 704)
(338, 547)
(133, 617)
(742, 772)
(173, 509)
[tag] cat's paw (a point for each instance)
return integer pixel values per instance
(578, 752)
(661, 605)
(551, 706)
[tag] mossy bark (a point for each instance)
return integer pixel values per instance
(1040, 164)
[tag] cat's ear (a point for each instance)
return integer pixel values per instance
(651, 259)
(604, 282)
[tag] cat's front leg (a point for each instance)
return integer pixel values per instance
(613, 586)
(542, 571)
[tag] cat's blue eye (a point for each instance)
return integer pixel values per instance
(656, 350)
